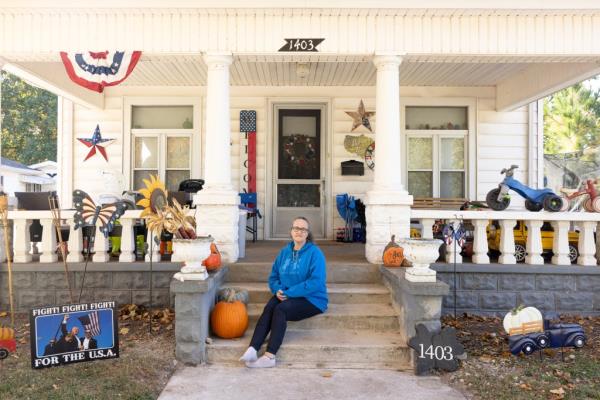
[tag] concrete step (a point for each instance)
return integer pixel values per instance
(336, 272)
(323, 348)
(340, 316)
(339, 293)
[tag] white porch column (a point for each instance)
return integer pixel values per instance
(388, 203)
(586, 245)
(560, 244)
(217, 204)
(507, 242)
(480, 244)
(534, 243)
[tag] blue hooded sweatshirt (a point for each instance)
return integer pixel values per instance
(301, 274)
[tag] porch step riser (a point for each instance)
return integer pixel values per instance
(262, 297)
(366, 273)
(332, 321)
(385, 357)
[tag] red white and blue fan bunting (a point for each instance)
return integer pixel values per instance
(96, 70)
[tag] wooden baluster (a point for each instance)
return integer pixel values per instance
(427, 224)
(127, 241)
(480, 243)
(450, 248)
(586, 245)
(75, 243)
(507, 242)
(560, 244)
(100, 247)
(22, 240)
(48, 241)
(155, 248)
(534, 242)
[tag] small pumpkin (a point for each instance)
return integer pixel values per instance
(231, 294)
(213, 262)
(515, 318)
(229, 320)
(7, 333)
(393, 254)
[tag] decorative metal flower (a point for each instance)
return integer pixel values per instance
(155, 196)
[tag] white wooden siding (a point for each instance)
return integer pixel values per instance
(502, 137)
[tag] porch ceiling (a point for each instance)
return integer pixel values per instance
(323, 70)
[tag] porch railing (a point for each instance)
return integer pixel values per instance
(22, 221)
(585, 223)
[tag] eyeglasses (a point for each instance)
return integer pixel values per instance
(299, 229)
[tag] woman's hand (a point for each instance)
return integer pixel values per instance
(280, 295)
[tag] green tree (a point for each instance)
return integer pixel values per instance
(29, 126)
(571, 120)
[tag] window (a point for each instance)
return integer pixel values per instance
(33, 187)
(436, 148)
(162, 144)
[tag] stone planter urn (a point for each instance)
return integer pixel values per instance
(421, 253)
(192, 252)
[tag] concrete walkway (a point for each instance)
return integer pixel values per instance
(219, 382)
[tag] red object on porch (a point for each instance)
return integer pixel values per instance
(9, 344)
(252, 164)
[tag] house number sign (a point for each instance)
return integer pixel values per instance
(301, 45)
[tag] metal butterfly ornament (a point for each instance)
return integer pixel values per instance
(450, 234)
(87, 213)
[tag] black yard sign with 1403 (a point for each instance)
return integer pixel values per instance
(300, 45)
(436, 349)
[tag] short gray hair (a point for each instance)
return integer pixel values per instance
(309, 238)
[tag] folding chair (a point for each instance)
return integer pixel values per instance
(249, 203)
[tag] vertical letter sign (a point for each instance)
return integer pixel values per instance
(248, 150)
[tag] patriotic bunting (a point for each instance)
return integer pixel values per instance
(96, 70)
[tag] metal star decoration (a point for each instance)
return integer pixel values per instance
(361, 117)
(96, 142)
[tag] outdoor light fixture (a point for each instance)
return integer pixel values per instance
(302, 70)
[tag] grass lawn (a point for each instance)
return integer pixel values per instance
(491, 372)
(146, 362)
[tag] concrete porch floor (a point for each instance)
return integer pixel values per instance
(267, 250)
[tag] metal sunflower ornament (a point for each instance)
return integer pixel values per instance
(159, 215)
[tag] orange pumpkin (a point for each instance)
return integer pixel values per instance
(393, 255)
(213, 262)
(6, 333)
(229, 320)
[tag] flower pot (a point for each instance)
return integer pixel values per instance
(192, 252)
(421, 253)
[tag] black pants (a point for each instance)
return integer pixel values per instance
(274, 318)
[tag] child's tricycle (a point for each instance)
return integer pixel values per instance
(535, 199)
(586, 196)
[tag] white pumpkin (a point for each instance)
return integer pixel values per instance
(516, 317)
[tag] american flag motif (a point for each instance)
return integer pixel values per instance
(90, 322)
(96, 70)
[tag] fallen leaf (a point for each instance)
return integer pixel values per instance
(560, 392)
(327, 374)
(3, 314)
(124, 331)
(55, 386)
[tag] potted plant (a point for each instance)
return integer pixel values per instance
(175, 218)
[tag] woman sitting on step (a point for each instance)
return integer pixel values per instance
(297, 282)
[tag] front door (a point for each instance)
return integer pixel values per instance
(298, 176)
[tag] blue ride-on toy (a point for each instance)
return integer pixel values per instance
(535, 199)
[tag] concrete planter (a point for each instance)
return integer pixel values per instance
(192, 252)
(421, 253)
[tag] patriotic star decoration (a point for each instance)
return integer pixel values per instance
(361, 117)
(96, 142)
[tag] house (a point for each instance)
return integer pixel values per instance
(434, 98)
(17, 177)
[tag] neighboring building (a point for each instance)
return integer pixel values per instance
(17, 177)
(455, 93)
